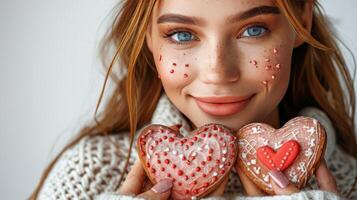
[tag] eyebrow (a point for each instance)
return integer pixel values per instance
(260, 10)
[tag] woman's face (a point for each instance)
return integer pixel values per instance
(236, 54)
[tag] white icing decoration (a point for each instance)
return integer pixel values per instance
(148, 156)
(308, 152)
(253, 161)
(312, 142)
(167, 149)
(244, 155)
(311, 130)
(256, 170)
(302, 167)
(215, 174)
(181, 156)
(293, 176)
(206, 146)
(221, 166)
(266, 178)
(277, 145)
(174, 152)
(199, 148)
(224, 151)
(265, 141)
(223, 159)
(194, 154)
(248, 146)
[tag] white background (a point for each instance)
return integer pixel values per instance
(50, 78)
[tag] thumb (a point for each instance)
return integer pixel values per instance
(161, 190)
(281, 184)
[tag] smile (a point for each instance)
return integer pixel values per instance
(222, 106)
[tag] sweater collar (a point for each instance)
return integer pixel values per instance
(167, 114)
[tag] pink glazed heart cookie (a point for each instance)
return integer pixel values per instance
(295, 149)
(196, 164)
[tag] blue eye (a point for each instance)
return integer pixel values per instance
(254, 31)
(182, 36)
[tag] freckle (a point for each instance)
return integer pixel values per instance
(278, 66)
(254, 62)
(185, 75)
(186, 65)
(275, 50)
(172, 71)
(160, 58)
(273, 77)
(174, 64)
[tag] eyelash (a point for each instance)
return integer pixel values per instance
(172, 32)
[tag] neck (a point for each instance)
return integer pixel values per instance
(273, 119)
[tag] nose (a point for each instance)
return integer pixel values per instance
(222, 67)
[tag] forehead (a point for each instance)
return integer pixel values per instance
(208, 10)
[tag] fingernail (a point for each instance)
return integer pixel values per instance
(162, 186)
(279, 178)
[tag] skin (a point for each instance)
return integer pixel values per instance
(221, 59)
(220, 55)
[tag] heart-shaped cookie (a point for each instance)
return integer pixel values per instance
(196, 164)
(295, 149)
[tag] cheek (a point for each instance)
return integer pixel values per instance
(175, 70)
(270, 67)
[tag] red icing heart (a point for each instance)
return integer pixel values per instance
(281, 159)
(256, 139)
(197, 164)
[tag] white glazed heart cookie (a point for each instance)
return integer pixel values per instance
(196, 164)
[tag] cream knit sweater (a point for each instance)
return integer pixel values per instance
(92, 168)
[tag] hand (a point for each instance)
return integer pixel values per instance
(282, 186)
(135, 183)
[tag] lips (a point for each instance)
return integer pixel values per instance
(222, 106)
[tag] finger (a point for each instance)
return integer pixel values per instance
(325, 179)
(220, 190)
(147, 185)
(250, 188)
(281, 184)
(160, 191)
(134, 180)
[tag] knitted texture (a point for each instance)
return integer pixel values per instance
(92, 168)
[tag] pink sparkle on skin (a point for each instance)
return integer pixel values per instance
(273, 77)
(265, 82)
(278, 66)
(158, 76)
(268, 67)
(275, 50)
(267, 59)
